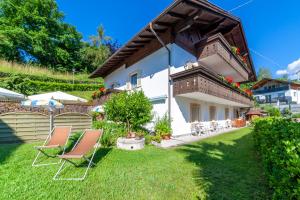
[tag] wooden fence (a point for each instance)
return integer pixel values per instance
(78, 121)
(32, 126)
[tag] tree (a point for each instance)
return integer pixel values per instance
(33, 30)
(263, 72)
(97, 50)
(131, 109)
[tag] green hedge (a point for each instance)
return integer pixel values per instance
(5, 75)
(278, 142)
(39, 86)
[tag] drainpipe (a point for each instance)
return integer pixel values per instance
(169, 69)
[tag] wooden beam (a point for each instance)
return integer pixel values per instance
(176, 15)
(187, 23)
(141, 41)
(147, 36)
(135, 45)
(165, 24)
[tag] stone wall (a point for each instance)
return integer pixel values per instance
(10, 106)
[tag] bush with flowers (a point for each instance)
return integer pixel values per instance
(229, 81)
(97, 94)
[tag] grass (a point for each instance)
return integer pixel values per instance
(83, 94)
(15, 68)
(222, 167)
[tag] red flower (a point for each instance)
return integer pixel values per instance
(229, 79)
(102, 89)
(237, 85)
(248, 91)
(238, 51)
(245, 59)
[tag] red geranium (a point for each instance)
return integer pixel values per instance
(102, 89)
(245, 59)
(237, 85)
(248, 91)
(238, 51)
(229, 79)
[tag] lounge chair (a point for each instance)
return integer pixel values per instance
(57, 138)
(89, 139)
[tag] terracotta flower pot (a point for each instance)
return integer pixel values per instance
(166, 137)
(131, 135)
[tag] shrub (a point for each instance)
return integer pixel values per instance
(278, 142)
(296, 115)
(162, 126)
(286, 112)
(272, 111)
(112, 131)
(131, 109)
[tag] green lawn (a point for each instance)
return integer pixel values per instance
(223, 167)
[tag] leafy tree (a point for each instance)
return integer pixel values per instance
(263, 72)
(33, 30)
(97, 50)
(132, 109)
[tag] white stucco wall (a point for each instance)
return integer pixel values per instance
(154, 83)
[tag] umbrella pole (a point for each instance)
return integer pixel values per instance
(51, 119)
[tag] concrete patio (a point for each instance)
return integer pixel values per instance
(177, 141)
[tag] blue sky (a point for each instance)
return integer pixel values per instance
(272, 27)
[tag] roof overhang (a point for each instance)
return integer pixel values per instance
(179, 18)
(262, 82)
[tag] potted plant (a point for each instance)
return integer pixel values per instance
(163, 127)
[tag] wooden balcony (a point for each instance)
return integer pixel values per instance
(202, 84)
(215, 53)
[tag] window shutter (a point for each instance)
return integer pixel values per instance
(139, 78)
(128, 83)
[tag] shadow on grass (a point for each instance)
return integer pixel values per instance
(9, 141)
(228, 170)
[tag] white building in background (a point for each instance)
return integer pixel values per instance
(179, 59)
(272, 91)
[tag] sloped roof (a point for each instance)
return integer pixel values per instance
(262, 82)
(179, 17)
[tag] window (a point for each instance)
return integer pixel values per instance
(195, 112)
(114, 85)
(236, 113)
(226, 113)
(268, 98)
(212, 113)
(295, 94)
(133, 80)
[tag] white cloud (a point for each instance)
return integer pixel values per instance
(291, 69)
(294, 66)
(281, 72)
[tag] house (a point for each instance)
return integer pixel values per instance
(273, 91)
(180, 60)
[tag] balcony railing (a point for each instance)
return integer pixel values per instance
(204, 81)
(215, 52)
(284, 99)
(268, 90)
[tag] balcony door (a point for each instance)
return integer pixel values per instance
(195, 113)
(212, 113)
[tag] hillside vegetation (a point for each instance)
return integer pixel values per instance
(28, 80)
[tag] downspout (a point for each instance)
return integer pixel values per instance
(169, 69)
